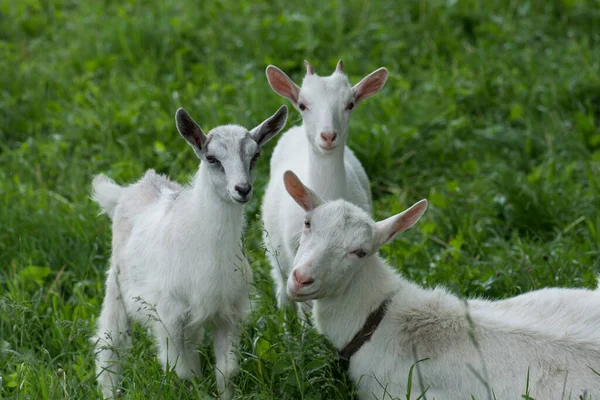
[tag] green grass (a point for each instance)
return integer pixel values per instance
(491, 111)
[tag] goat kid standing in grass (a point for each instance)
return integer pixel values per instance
(548, 339)
(317, 152)
(177, 260)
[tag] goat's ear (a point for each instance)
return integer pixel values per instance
(270, 127)
(306, 198)
(190, 130)
(370, 85)
(282, 84)
(387, 229)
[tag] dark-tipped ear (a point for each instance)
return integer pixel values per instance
(191, 132)
(306, 198)
(386, 230)
(282, 84)
(370, 85)
(270, 127)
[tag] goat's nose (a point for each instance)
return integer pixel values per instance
(328, 137)
(302, 280)
(243, 190)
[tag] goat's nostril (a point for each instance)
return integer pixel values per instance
(243, 190)
(329, 137)
(301, 280)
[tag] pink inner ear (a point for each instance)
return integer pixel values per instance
(198, 140)
(282, 85)
(371, 85)
(410, 217)
(407, 219)
(297, 190)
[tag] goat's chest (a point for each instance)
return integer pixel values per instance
(208, 273)
(227, 270)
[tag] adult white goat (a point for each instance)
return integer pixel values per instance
(384, 324)
(317, 152)
(177, 261)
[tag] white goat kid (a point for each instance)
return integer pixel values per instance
(551, 336)
(317, 152)
(177, 260)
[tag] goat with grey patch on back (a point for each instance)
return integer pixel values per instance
(317, 152)
(177, 261)
(384, 324)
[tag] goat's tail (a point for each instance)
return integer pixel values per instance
(106, 193)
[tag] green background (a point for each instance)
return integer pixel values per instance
(491, 111)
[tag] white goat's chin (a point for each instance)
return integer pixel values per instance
(240, 200)
(311, 295)
(325, 148)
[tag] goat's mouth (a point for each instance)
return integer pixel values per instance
(240, 200)
(326, 148)
(302, 296)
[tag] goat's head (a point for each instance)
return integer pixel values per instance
(325, 103)
(338, 237)
(230, 151)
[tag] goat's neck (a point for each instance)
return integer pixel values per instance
(342, 315)
(327, 172)
(223, 217)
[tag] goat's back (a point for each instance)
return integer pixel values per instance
(136, 198)
(564, 315)
(552, 335)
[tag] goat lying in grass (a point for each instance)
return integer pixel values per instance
(317, 151)
(177, 261)
(474, 348)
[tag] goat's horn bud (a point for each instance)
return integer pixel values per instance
(309, 68)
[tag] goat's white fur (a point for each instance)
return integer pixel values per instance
(177, 261)
(333, 174)
(551, 334)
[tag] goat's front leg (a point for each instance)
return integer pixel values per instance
(169, 333)
(226, 340)
(279, 273)
(193, 337)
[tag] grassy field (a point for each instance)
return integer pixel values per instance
(491, 111)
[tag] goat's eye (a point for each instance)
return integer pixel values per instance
(211, 160)
(307, 224)
(302, 107)
(350, 106)
(255, 157)
(360, 253)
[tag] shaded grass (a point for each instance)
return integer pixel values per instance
(491, 112)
